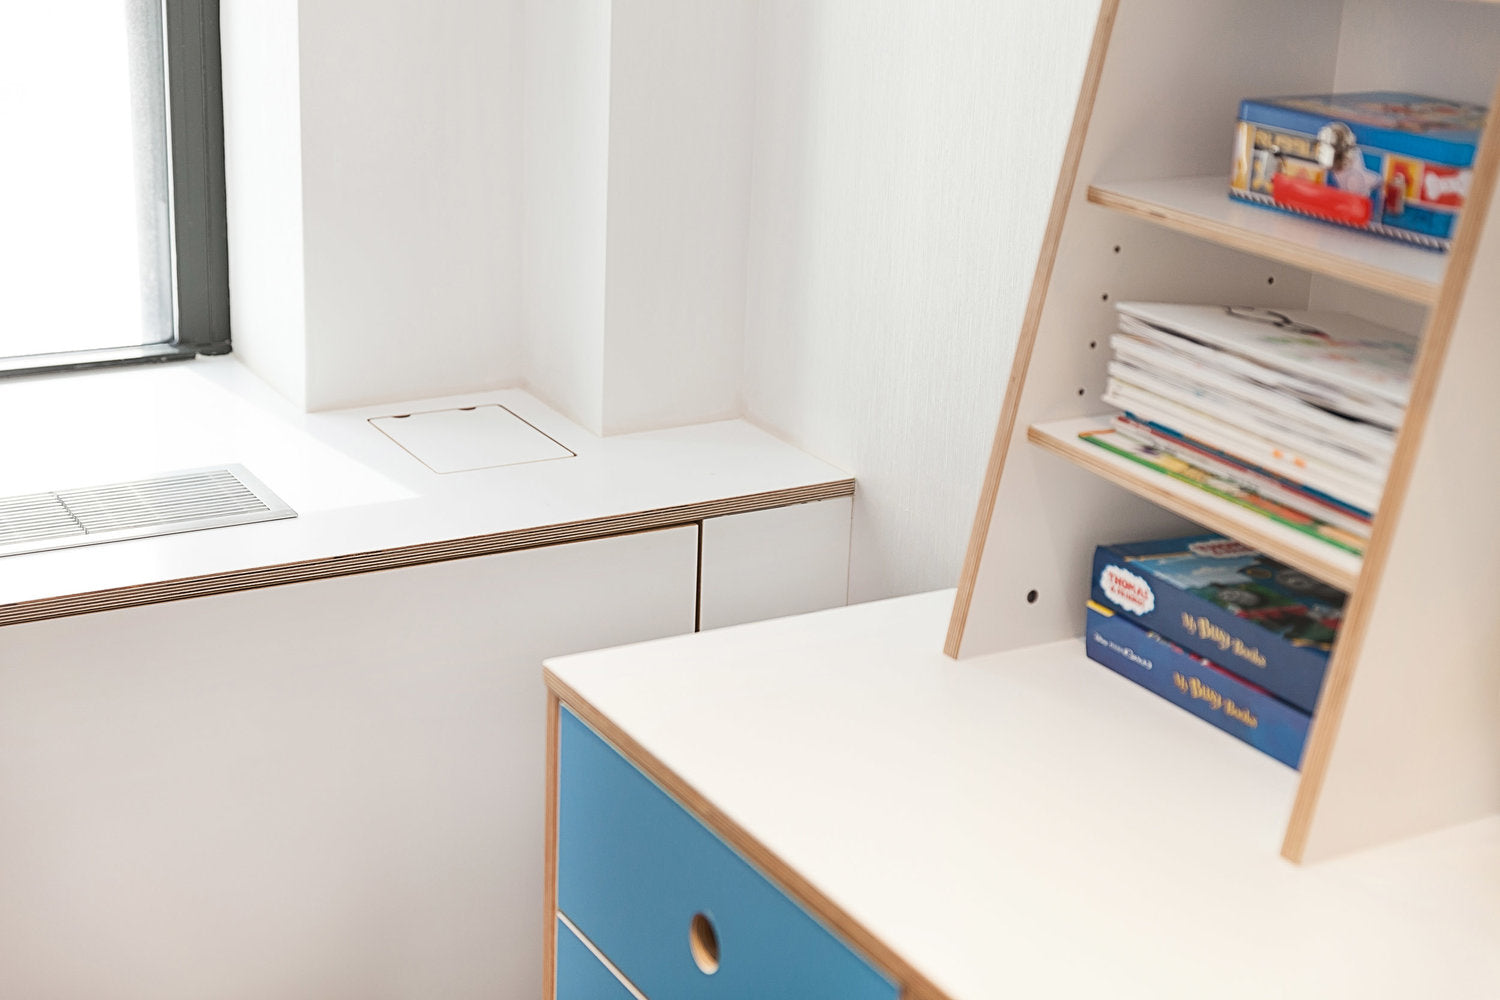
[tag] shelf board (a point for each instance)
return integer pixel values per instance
(1201, 207)
(1327, 563)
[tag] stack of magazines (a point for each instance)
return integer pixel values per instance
(1292, 413)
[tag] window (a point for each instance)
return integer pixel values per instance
(112, 189)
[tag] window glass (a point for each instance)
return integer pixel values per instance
(85, 260)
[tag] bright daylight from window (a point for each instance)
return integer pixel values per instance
(86, 259)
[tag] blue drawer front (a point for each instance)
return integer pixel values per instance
(634, 867)
(581, 976)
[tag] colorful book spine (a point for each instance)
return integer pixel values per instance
(1197, 685)
(1249, 614)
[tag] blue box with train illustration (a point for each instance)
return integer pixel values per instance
(1255, 617)
(1394, 164)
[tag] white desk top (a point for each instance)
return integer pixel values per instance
(1030, 824)
(359, 495)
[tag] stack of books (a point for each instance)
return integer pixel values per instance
(1233, 636)
(1291, 413)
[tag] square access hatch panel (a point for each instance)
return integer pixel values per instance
(469, 438)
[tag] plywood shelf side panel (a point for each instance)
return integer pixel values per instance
(1407, 735)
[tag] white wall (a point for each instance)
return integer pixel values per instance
(565, 150)
(821, 213)
(636, 180)
(411, 119)
(679, 189)
(263, 174)
(377, 255)
(905, 155)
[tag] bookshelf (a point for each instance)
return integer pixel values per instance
(1407, 735)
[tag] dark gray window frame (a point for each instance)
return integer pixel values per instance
(200, 248)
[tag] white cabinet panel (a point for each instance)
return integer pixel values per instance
(328, 789)
(771, 563)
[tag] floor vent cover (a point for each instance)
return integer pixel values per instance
(180, 501)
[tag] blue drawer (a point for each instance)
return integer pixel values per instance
(646, 882)
(581, 976)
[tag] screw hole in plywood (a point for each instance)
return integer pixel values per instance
(1031, 597)
(1117, 248)
(1093, 344)
(1104, 297)
(703, 942)
(1081, 390)
(1271, 280)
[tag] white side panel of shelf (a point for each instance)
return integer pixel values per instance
(1165, 107)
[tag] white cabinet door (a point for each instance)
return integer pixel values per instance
(771, 563)
(328, 789)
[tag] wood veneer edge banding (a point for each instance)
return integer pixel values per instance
(401, 557)
(1317, 261)
(1429, 368)
(549, 864)
(1202, 515)
(911, 982)
(1046, 259)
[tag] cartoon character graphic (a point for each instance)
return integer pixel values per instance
(1340, 155)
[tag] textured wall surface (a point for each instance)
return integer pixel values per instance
(904, 162)
(565, 176)
(263, 171)
(411, 118)
(680, 99)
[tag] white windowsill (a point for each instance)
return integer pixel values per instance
(355, 491)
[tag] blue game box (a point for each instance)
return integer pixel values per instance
(1394, 164)
(1192, 682)
(1251, 615)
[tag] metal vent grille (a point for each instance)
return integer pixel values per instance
(180, 501)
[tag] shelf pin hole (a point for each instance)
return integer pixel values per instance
(1031, 596)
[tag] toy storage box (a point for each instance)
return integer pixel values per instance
(1394, 164)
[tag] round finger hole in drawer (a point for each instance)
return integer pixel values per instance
(703, 941)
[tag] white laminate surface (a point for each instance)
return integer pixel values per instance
(1029, 824)
(468, 438)
(1202, 206)
(355, 490)
(770, 563)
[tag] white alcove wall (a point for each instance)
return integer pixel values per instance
(372, 160)
(904, 162)
(818, 214)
